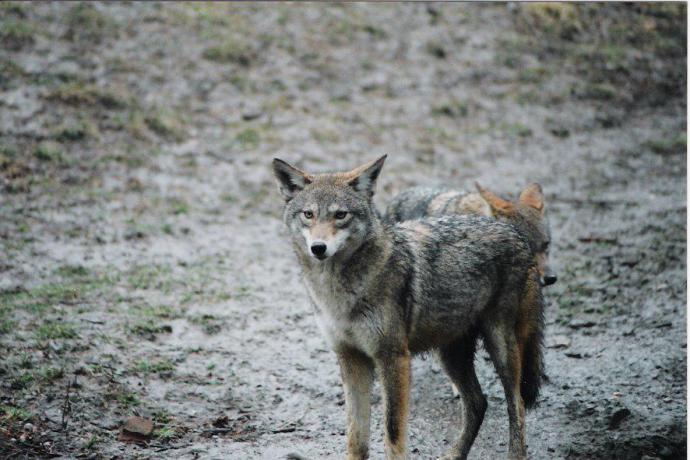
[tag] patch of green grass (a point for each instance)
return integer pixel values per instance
(53, 330)
(12, 414)
(600, 91)
(158, 367)
(7, 325)
(79, 93)
(452, 109)
(167, 124)
(38, 299)
(515, 129)
(230, 50)
(668, 146)
(16, 34)
(160, 311)
(9, 71)
(228, 198)
(48, 374)
(533, 74)
(165, 433)
(91, 442)
(375, 32)
(210, 323)
(149, 328)
(72, 271)
(178, 206)
(49, 151)
(325, 135)
(126, 399)
(87, 24)
(248, 138)
(76, 130)
(22, 381)
(150, 276)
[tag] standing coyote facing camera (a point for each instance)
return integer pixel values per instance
(527, 214)
(385, 292)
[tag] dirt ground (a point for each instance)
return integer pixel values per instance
(144, 269)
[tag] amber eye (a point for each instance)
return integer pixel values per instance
(308, 214)
(340, 215)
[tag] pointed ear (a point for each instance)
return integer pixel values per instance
(533, 196)
(498, 205)
(363, 178)
(290, 180)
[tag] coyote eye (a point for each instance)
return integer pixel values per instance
(545, 246)
(340, 215)
(308, 214)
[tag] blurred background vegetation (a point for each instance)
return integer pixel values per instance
(129, 126)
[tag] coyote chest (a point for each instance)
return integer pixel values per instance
(334, 303)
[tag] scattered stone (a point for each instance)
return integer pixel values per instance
(136, 430)
(618, 417)
(574, 354)
(579, 323)
(221, 422)
(558, 341)
(138, 425)
(252, 112)
(294, 456)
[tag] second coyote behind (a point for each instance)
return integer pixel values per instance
(527, 214)
(384, 292)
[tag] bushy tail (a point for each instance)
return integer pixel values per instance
(531, 336)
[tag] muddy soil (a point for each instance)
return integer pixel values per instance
(144, 269)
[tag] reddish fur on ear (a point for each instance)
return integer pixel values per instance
(498, 205)
(533, 196)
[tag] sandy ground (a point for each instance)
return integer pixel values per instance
(144, 269)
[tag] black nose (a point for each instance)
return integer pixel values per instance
(550, 279)
(318, 249)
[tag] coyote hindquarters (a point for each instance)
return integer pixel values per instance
(384, 292)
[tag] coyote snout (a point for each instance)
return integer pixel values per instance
(319, 249)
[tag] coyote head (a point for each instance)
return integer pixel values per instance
(527, 214)
(328, 215)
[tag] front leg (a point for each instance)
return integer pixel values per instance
(394, 370)
(357, 372)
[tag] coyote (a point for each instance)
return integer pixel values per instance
(385, 292)
(527, 214)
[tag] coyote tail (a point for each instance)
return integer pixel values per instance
(530, 338)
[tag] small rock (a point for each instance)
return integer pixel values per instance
(221, 422)
(558, 341)
(252, 112)
(579, 323)
(294, 456)
(618, 417)
(574, 354)
(138, 425)
(29, 427)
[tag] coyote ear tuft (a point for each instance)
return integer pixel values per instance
(363, 178)
(498, 205)
(290, 180)
(533, 196)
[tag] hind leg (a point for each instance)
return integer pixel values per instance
(505, 354)
(458, 361)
